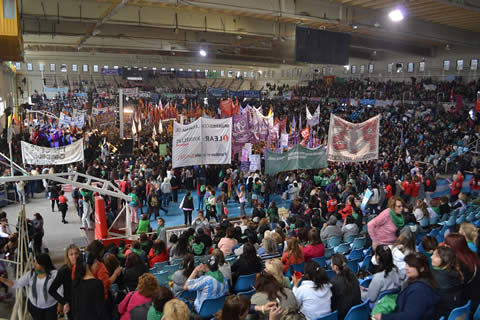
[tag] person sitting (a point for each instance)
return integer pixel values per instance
(330, 229)
(247, 263)
(269, 249)
(345, 287)
(293, 254)
(228, 242)
(134, 268)
(469, 231)
(314, 295)
(429, 244)
(387, 276)
(147, 285)
(180, 276)
(158, 253)
(223, 265)
(449, 280)
(236, 307)
(269, 289)
(403, 246)
(144, 224)
(418, 300)
(175, 309)
(350, 228)
(316, 248)
(211, 285)
(275, 268)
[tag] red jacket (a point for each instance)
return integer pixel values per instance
(156, 258)
(332, 205)
(415, 189)
(407, 188)
(475, 184)
(313, 251)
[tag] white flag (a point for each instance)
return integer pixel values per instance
(134, 128)
(313, 120)
(160, 127)
(154, 134)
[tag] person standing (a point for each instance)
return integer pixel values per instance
(85, 204)
(38, 232)
(188, 208)
(166, 188)
(242, 199)
(41, 305)
(20, 185)
(175, 184)
(62, 205)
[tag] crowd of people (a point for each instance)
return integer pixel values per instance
(118, 281)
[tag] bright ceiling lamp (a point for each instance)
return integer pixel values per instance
(396, 15)
(203, 53)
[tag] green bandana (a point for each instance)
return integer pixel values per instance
(39, 271)
(137, 251)
(397, 219)
(217, 275)
(153, 314)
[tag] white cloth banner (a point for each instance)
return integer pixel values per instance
(284, 140)
(255, 163)
(71, 153)
(353, 142)
(204, 141)
(313, 120)
(66, 121)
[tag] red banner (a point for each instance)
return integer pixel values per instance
(226, 108)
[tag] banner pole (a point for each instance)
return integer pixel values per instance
(11, 161)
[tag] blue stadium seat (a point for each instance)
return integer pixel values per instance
(355, 255)
(296, 267)
(342, 248)
(248, 293)
(359, 312)
(425, 222)
(334, 241)
(210, 307)
(365, 264)
(330, 316)
(171, 268)
(322, 261)
(434, 220)
(162, 278)
(244, 283)
(329, 253)
(159, 266)
(188, 295)
(366, 282)
(350, 238)
(353, 266)
(359, 243)
(460, 312)
(330, 274)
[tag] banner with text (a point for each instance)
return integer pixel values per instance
(353, 142)
(298, 157)
(71, 153)
(204, 141)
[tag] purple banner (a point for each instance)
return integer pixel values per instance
(259, 125)
(240, 131)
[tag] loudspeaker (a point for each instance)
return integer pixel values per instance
(321, 46)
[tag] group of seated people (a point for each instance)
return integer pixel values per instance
(119, 281)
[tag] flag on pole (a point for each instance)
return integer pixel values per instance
(134, 128)
(160, 127)
(154, 133)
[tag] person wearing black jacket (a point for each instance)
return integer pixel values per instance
(134, 268)
(188, 208)
(64, 279)
(207, 240)
(449, 281)
(345, 287)
(175, 186)
(247, 263)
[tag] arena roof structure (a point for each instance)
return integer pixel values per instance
(246, 31)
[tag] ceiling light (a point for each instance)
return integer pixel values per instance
(239, 37)
(355, 27)
(203, 53)
(376, 25)
(396, 15)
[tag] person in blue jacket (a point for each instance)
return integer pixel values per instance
(418, 300)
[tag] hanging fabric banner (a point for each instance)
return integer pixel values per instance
(353, 142)
(284, 140)
(240, 131)
(298, 157)
(259, 124)
(313, 120)
(204, 141)
(32, 154)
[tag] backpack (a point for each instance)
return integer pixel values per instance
(154, 201)
(140, 312)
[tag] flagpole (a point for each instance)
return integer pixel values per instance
(11, 160)
(120, 103)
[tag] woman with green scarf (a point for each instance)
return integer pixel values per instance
(384, 228)
(211, 285)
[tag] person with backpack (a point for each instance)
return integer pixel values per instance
(152, 204)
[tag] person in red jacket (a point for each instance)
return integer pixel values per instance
(158, 253)
(332, 204)
(415, 190)
(456, 186)
(407, 188)
(315, 249)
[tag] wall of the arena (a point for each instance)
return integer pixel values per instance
(7, 88)
(67, 68)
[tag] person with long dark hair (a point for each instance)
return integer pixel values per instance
(449, 279)
(469, 263)
(41, 305)
(158, 253)
(314, 295)
(345, 286)
(180, 276)
(188, 208)
(269, 290)
(315, 248)
(418, 300)
(387, 276)
(64, 279)
(182, 247)
(234, 308)
(247, 263)
(87, 292)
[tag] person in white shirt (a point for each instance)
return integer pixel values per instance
(20, 185)
(314, 295)
(41, 305)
